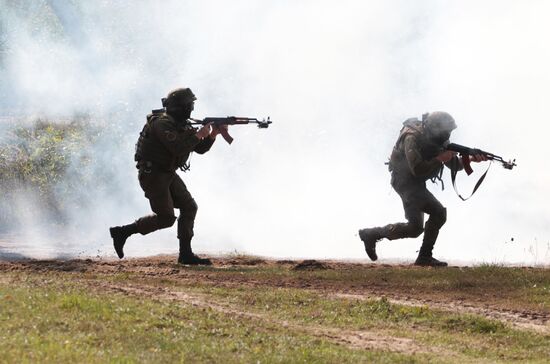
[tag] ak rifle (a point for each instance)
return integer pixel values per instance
(230, 120)
(466, 152)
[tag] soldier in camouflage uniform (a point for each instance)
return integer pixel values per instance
(418, 155)
(164, 145)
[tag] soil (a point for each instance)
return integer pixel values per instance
(491, 305)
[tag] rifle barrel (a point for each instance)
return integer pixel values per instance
(231, 120)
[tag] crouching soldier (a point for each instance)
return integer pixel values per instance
(418, 155)
(164, 145)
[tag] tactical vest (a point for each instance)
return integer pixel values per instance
(428, 150)
(151, 151)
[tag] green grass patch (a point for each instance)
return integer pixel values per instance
(447, 336)
(509, 287)
(473, 324)
(64, 323)
(471, 335)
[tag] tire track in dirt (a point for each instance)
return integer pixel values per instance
(520, 320)
(524, 320)
(159, 267)
(364, 340)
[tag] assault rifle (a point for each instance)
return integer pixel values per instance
(231, 120)
(466, 152)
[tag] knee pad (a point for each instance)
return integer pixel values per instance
(189, 211)
(193, 207)
(440, 218)
(166, 221)
(402, 230)
(416, 230)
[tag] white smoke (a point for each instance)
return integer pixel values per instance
(337, 79)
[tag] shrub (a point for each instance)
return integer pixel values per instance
(47, 163)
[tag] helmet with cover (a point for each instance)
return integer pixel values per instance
(180, 102)
(179, 97)
(439, 125)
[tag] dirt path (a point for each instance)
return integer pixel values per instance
(354, 339)
(525, 320)
(162, 267)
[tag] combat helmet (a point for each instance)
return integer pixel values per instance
(439, 121)
(178, 98)
(438, 126)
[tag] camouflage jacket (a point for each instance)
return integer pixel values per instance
(413, 158)
(167, 144)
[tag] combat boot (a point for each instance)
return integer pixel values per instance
(192, 259)
(370, 237)
(119, 235)
(188, 257)
(425, 257)
(429, 261)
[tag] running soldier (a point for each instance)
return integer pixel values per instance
(418, 155)
(164, 145)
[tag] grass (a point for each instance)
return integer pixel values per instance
(74, 319)
(49, 322)
(507, 287)
(473, 336)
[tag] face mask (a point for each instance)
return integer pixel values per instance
(181, 113)
(441, 137)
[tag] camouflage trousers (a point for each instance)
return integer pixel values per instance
(417, 201)
(166, 191)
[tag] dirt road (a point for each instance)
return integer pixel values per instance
(330, 278)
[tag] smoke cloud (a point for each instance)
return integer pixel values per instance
(338, 79)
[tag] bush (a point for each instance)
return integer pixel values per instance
(46, 163)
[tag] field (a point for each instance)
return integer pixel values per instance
(251, 309)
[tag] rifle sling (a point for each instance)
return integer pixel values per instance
(454, 172)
